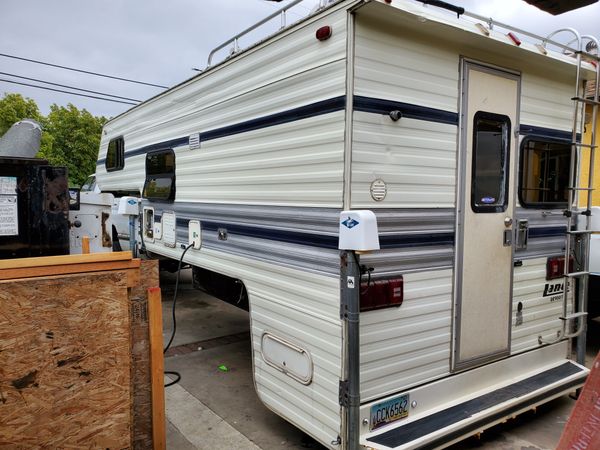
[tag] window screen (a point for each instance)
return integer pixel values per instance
(489, 180)
(115, 155)
(544, 175)
(160, 175)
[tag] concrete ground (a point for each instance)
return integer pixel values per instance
(214, 405)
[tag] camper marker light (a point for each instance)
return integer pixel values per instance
(513, 37)
(324, 33)
(381, 294)
(358, 231)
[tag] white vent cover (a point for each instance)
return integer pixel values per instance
(194, 141)
(378, 190)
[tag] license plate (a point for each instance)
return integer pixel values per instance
(389, 411)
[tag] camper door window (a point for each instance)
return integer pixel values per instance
(544, 172)
(115, 155)
(491, 158)
(160, 175)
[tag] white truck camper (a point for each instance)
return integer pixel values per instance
(446, 148)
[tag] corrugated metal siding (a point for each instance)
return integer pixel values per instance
(546, 102)
(299, 163)
(301, 307)
(540, 315)
(409, 345)
(394, 65)
(416, 158)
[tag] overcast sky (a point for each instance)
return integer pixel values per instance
(159, 41)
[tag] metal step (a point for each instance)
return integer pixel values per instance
(580, 232)
(576, 274)
(579, 144)
(574, 316)
(585, 100)
(474, 415)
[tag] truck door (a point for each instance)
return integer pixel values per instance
(485, 210)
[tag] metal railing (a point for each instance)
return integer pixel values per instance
(235, 39)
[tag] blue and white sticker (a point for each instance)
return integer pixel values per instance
(350, 223)
(488, 200)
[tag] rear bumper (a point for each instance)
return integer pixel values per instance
(461, 405)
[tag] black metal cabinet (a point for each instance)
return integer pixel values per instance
(34, 208)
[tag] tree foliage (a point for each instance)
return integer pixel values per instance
(13, 107)
(70, 137)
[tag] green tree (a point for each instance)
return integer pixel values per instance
(70, 136)
(75, 139)
(14, 107)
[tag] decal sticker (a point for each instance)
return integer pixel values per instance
(554, 291)
(8, 185)
(350, 281)
(350, 222)
(9, 215)
(488, 200)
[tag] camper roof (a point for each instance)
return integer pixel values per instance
(469, 28)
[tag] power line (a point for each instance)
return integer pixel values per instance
(67, 92)
(69, 87)
(83, 71)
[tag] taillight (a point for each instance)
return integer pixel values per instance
(377, 294)
(555, 267)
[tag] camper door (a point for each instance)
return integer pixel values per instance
(485, 209)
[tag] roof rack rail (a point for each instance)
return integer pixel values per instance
(235, 39)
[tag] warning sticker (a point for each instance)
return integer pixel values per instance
(8, 185)
(9, 215)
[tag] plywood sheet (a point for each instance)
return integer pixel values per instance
(65, 370)
(140, 356)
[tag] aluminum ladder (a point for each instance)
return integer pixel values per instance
(580, 237)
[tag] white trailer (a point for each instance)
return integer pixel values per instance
(460, 138)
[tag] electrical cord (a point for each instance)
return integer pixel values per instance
(363, 270)
(176, 374)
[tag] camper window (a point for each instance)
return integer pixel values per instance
(544, 174)
(489, 181)
(115, 155)
(160, 175)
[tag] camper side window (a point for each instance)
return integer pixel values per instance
(115, 155)
(160, 175)
(489, 180)
(544, 173)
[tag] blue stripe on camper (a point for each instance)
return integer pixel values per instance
(324, 240)
(365, 104)
(303, 112)
(540, 232)
(547, 132)
(381, 106)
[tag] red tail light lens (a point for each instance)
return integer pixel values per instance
(555, 267)
(381, 294)
(324, 33)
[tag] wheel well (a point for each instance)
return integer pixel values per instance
(228, 289)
